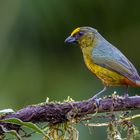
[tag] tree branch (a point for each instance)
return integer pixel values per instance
(60, 112)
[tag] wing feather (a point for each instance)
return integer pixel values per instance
(107, 56)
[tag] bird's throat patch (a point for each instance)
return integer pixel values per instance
(75, 31)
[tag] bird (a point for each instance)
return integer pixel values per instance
(104, 60)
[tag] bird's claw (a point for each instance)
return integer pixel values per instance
(126, 95)
(95, 101)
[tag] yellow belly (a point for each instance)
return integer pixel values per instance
(108, 77)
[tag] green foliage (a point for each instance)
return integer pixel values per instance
(12, 132)
(25, 124)
(62, 131)
(120, 127)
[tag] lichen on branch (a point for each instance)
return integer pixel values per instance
(55, 112)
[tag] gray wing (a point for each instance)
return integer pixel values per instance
(107, 56)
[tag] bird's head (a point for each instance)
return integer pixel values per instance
(83, 36)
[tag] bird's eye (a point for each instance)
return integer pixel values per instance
(79, 34)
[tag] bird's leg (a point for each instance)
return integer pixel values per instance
(126, 91)
(95, 96)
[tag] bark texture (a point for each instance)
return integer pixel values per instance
(60, 112)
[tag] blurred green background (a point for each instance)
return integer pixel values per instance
(34, 61)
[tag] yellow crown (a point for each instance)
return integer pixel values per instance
(75, 31)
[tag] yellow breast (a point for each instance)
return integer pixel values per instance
(108, 77)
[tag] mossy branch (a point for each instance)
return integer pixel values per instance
(54, 112)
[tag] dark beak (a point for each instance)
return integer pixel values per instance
(70, 39)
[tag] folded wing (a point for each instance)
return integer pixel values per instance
(107, 56)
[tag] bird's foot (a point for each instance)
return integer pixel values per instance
(95, 100)
(126, 95)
